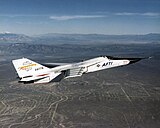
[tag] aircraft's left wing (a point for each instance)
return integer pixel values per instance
(74, 72)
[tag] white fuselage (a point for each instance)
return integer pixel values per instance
(93, 65)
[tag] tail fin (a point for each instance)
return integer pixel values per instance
(26, 67)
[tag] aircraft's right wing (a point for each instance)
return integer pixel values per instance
(53, 65)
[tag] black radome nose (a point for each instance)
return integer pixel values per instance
(134, 60)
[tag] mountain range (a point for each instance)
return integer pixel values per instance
(54, 38)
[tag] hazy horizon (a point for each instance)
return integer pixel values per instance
(134, 34)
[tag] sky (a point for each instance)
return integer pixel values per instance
(33, 17)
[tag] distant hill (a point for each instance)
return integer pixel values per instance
(54, 38)
(14, 38)
(99, 38)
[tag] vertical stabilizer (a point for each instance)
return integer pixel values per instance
(26, 67)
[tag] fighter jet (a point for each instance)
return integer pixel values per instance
(31, 72)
